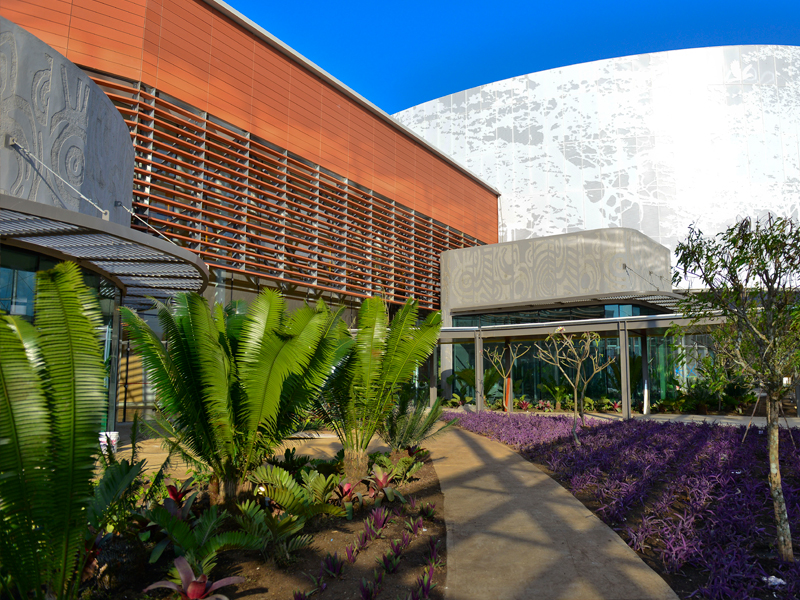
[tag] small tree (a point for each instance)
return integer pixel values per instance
(582, 356)
(497, 358)
(749, 273)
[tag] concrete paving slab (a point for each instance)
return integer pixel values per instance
(514, 533)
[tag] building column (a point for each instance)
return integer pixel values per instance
(624, 370)
(433, 374)
(113, 374)
(479, 403)
(645, 376)
(508, 384)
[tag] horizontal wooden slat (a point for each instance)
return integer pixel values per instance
(246, 207)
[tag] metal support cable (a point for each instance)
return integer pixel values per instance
(24, 151)
(627, 268)
(146, 224)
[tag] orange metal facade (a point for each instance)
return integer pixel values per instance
(257, 163)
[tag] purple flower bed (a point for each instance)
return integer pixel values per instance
(517, 429)
(690, 497)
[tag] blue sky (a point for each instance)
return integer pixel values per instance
(399, 54)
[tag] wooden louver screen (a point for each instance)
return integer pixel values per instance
(247, 206)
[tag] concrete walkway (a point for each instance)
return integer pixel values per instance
(514, 533)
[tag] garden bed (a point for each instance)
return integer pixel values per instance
(690, 498)
(128, 573)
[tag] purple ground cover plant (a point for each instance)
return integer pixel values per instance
(379, 518)
(414, 525)
(691, 496)
(428, 511)
(332, 565)
(516, 429)
(397, 547)
(351, 551)
(425, 583)
(389, 562)
(362, 541)
(434, 559)
(370, 589)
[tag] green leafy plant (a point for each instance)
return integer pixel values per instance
(491, 379)
(52, 402)
(230, 384)
(401, 470)
(560, 394)
(412, 421)
(304, 500)
(749, 278)
(201, 541)
(377, 362)
(279, 533)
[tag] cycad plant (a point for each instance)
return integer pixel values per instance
(229, 384)
(412, 420)
(364, 387)
(52, 402)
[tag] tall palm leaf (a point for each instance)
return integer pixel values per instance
(230, 381)
(363, 388)
(52, 401)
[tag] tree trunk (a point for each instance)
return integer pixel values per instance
(575, 418)
(356, 464)
(775, 487)
(225, 491)
(583, 413)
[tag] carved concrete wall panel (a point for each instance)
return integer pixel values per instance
(54, 111)
(561, 267)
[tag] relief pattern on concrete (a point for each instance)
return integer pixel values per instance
(538, 270)
(653, 142)
(62, 118)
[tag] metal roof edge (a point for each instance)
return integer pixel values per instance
(45, 211)
(295, 56)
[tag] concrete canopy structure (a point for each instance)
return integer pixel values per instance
(602, 266)
(652, 142)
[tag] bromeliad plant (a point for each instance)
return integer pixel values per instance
(379, 488)
(194, 587)
(52, 401)
(231, 383)
(363, 388)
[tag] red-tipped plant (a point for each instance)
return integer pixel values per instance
(177, 504)
(347, 498)
(193, 587)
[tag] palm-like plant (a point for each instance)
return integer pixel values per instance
(363, 388)
(229, 384)
(412, 420)
(52, 401)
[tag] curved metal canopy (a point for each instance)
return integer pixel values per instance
(140, 265)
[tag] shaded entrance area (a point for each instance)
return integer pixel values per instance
(650, 366)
